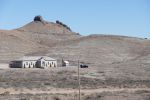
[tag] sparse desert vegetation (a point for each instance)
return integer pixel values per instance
(62, 83)
(118, 65)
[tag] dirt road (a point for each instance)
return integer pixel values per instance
(70, 91)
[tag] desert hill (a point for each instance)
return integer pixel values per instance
(41, 37)
(102, 49)
(15, 44)
(47, 33)
(115, 63)
(39, 25)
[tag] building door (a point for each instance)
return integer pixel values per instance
(43, 64)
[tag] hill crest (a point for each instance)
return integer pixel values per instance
(39, 25)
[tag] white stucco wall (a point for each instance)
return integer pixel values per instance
(28, 64)
(43, 64)
(49, 64)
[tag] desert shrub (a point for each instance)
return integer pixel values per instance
(56, 98)
(78, 33)
(23, 99)
(5, 93)
(146, 98)
(88, 98)
(101, 72)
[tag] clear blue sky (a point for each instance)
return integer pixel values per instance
(122, 17)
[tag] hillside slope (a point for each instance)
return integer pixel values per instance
(115, 63)
(47, 33)
(15, 44)
(102, 49)
(57, 40)
(33, 37)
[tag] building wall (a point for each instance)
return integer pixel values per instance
(28, 64)
(48, 64)
(39, 64)
(16, 64)
(65, 63)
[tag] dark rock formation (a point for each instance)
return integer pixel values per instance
(64, 25)
(38, 18)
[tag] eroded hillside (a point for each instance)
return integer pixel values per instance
(57, 40)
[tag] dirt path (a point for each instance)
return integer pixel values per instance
(71, 91)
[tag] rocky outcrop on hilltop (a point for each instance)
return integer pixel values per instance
(39, 25)
(38, 18)
(35, 36)
(64, 25)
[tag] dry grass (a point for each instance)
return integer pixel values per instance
(114, 61)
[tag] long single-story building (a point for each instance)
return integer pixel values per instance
(34, 62)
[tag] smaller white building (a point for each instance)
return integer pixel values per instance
(65, 63)
(34, 62)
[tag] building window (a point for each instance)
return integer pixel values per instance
(26, 63)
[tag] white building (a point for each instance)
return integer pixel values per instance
(34, 62)
(65, 63)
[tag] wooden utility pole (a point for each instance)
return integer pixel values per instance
(79, 79)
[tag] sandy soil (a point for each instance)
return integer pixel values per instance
(71, 91)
